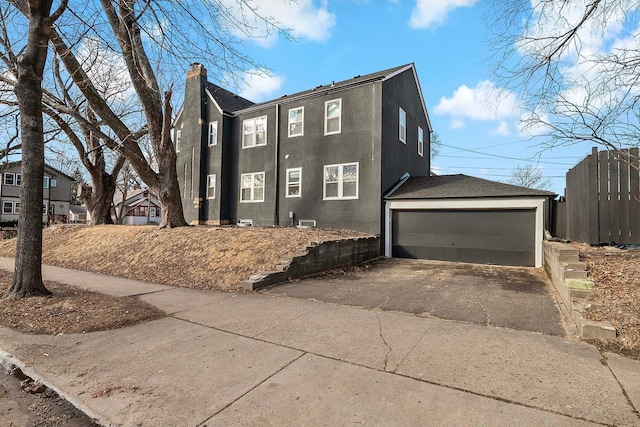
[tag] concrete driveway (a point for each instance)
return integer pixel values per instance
(508, 297)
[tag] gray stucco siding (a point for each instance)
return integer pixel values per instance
(399, 158)
(251, 160)
(213, 155)
(193, 125)
(356, 143)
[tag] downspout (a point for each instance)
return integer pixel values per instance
(277, 169)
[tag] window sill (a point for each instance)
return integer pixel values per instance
(340, 198)
(253, 146)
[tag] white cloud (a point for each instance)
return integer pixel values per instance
(259, 86)
(501, 130)
(533, 124)
(302, 18)
(485, 102)
(106, 69)
(456, 124)
(431, 13)
(590, 81)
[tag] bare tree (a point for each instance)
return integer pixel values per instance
(434, 145)
(28, 71)
(529, 176)
(126, 181)
(147, 36)
(576, 67)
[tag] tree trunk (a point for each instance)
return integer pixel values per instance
(98, 199)
(27, 278)
(170, 202)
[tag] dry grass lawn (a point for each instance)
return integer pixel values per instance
(193, 257)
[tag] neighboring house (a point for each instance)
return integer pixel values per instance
(323, 157)
(56, 193)
(140, 206)
(78, 214)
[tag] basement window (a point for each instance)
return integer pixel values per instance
(306, 223)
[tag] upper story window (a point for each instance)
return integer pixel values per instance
(294, 182)
(211, 186)
(11, 178)
(333, 116)
(45, 182)
(53, 182)
(178, 138)
(420, 141)
(403, 126)
(213, 134)
(296, 122)
(252, 187)
(341, 181)
(254, 132)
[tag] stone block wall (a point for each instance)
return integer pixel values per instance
(569, 276)
(316, 258)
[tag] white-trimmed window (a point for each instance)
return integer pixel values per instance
(403, 126)
(53, 182)
(296, 122)
(420, 141)
(11, 208)
(211, 186)
(213, 134)
(45, 182)
(333, 116)
(294, 182)
(178, 139)
(254, 132)
(14, 179)
(341, 181)
(45, 207)
(252, 187)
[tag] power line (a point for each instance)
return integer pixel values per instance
(488, 168)
(504, 157)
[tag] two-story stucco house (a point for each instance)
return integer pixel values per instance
(56, 193)
(322, 157)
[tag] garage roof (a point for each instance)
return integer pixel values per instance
(459, 186)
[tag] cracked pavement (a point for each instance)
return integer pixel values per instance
(226, 359)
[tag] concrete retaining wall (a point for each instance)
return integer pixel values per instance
(316, 258)
(569, 276)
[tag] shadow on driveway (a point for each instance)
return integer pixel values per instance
(509, 297)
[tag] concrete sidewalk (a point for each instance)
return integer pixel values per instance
(254, 359)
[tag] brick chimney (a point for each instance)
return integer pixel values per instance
(196, 70)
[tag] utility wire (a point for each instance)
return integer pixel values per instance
(503, 157)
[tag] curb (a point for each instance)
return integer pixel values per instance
(9, 361)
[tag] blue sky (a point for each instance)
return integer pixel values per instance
(447, 41)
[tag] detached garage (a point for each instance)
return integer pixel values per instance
(466, 219)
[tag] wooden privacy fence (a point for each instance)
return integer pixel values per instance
(602, 200)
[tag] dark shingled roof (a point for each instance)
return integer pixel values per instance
(228, 101)
(460, 186)
(357, 80)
